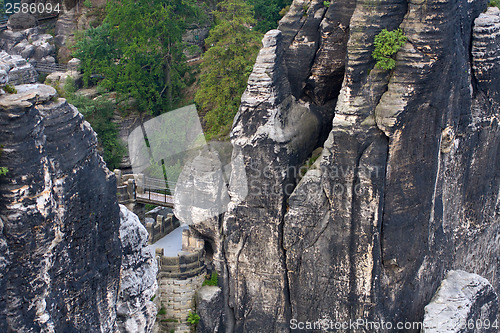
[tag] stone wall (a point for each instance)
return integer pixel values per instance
(162, 226)
(178, 279)
(177, 299)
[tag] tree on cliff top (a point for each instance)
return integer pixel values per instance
(138, 50)
(233, 47)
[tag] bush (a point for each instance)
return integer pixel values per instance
(193, 318)
(10, 89)
(213, 281)
(387, 44)
(494, 3)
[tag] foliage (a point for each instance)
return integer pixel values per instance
(284, 11)
(87, 3)
(267, 13)
(99, 113)
(138, 51)
(227, 64)
(327, 3)
(162, 311)
(387, 44)
(3, 170)
(213, 281)
(193, 318)
(494, 3)
(10, 89)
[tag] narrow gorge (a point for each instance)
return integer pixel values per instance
(346, 192)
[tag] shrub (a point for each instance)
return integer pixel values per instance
(387, 44)
(213, 281)
(193, 318)
(494, 3)
(10, 89)
(327, 3)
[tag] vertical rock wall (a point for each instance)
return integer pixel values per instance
(70, 261)
(408, 183)
(60, 219)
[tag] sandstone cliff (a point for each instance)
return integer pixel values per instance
(62, 237)
(408, 183)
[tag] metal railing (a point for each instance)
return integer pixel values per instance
(3, 24)
(51, 68)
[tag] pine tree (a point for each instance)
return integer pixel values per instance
(233, 47)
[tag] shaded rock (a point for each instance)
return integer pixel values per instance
(60, 219)
(464, 302)
(136, 313)
(21, 21)
(210, 308)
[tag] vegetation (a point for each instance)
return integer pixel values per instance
(212, 281)
(138, 51)
(99, 113)
(387, 44)
(3, 170)
(267, 13)
(193, 318)
(327, 3)
(227, 64)
(494, 3)
(10, 89)
(162, 311)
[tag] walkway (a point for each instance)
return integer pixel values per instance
(171, 243)
(154, 198)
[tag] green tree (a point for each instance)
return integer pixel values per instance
(233, 47)
(387, 44)
(267, 13)
(138, 50)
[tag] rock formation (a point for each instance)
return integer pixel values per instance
(33, 45)
(135, 310)
(408, 183)
(61, 239)
(463, 303)
(17, 70)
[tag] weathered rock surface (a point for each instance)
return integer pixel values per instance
(60, 219)
(210, 307)
(16, 69)
(61, 239)
(408, 183)
(464, 302)
(30, 44)
(136, 313)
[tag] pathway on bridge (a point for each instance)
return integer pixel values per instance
(171, 243)
(155, 198)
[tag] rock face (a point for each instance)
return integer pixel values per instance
(209, 304)
(60, 219)
(61, 239)
(136, 313)
(17, 70)
(463, 303)
(408, 183)
(30, 44)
